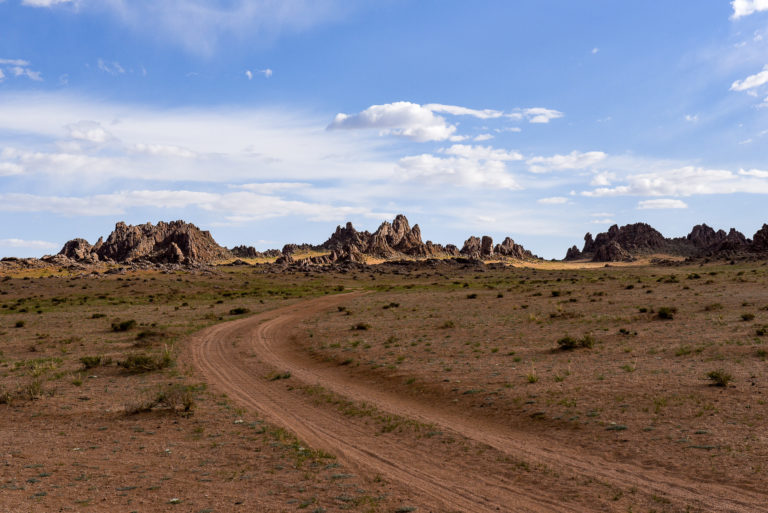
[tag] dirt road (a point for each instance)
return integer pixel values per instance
(227, 355)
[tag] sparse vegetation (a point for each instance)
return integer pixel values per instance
(123, 325)
(568, 343)
(666, 312)
(720, 377)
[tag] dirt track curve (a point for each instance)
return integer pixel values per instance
(435, 483)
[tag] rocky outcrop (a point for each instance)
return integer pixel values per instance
(760, 240)
(640, 239)
(472, 247)
(176, 242)
(251, 252)
(510, 249)
(573, 253)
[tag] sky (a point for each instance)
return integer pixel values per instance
(272, 121)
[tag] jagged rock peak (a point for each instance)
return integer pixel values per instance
(165, 243)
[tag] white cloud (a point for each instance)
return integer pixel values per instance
(603, 179)
(659, 204)
(692, 118)
(165, 150)
(754, 172)
(573, 160)
(19, 68)
(215, 144)
(44, 3)
(420, 122)
(541, 115)
(14, 62)
(32, 244)
(685, 181)
(606, 220)
(89, 131)
(235, 206)
(483, 137)
(266, 72)
(10, 168)
(751, 81)
(468, 171)
(113, 68)
(482, 153)
(595, 50)
(464, 111)
(199, 25)
(404, 119)
(271, 187)
(747, 7)
(555, 200)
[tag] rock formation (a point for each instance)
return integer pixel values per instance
(176, 242)
(640, 239)
(251, 252)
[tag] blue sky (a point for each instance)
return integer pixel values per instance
(270, 122)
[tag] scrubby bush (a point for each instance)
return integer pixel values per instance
(90, 362)
(720, 378)
(568, 343)
(142, 362)
(118, 325)
(746, 317)
(361, 326)
(174, 397)
(239, 311)
(666, 313)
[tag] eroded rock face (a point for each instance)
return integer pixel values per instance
(760, 240)
(573, 253)
(472, 247)
(612, 252)
(703, 236)
(509, 248)
(165, 243)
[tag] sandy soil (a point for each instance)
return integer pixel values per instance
(440, 482)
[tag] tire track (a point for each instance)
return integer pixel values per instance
(435, 482)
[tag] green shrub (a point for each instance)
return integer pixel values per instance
(90, 362)
(142, 362)
(471, 296)
(123, 325)
(361, 326)
(568, 343)
(239, 311)
(666, 312)
(746, 317)
(20, 324)
(172, 396)
(720, 378)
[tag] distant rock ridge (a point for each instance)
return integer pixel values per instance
(176, 242)
(640, 239)
(398, 238)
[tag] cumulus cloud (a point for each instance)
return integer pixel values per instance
(661, 204)
(555, 200)
(466, 166)
(483, 137)
(746, 7)
(754, 172)
(685, 181)
(541, 115)
(752, 81)
(404, 119)
(573, 160)
(89, 131)
(10, 168)
(192, 144)
(421, 123)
